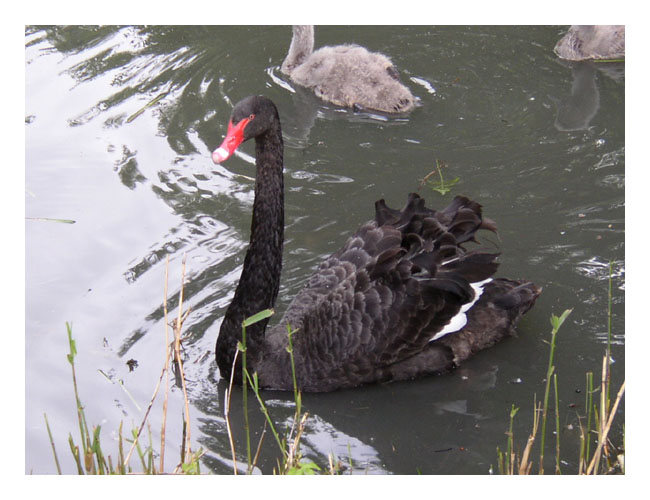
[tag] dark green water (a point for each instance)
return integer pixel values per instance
(540, 145)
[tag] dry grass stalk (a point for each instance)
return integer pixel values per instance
(604, 431)
(259, 447)
(525, 466)
(144, 420)
(330, 460)
(179, 361)
(166, 371)
(293, 456)
(227, 414)
(165, 374)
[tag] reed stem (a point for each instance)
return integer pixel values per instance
(556, 322)
(163, 426)
(557, 427)
(49, 433)
(244, 385)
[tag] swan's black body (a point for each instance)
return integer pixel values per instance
(370, 310)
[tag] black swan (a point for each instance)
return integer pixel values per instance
(592, 42)
(402, 298)
(346, 75)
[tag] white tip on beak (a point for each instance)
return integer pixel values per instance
(219, 155)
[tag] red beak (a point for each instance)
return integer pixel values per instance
(234, 138)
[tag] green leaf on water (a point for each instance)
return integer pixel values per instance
(443, 187)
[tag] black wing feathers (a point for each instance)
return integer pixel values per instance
(402, 277)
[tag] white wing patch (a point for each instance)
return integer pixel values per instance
(460, 320)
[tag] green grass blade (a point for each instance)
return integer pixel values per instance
(47, 219)
(49, 433)
(151, 103)
(557, 427)
(74, 449)
(266, 313)
(556, 322)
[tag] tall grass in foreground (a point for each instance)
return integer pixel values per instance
(600, 413)
(89, 456)
(291, 461)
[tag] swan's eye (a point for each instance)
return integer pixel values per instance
(251, 116)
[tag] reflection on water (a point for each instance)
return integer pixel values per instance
(120, 122)
(575, 111)
(324, 440)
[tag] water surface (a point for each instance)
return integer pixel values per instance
(120, 123)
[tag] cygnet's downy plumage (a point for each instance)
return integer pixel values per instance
(346, 75)
(592, 42)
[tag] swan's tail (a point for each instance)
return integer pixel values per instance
(493, 317)
(474, 309)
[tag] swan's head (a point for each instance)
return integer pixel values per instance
(251, 117)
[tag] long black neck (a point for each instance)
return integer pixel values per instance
(260, 279)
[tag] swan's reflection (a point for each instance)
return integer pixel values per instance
(575, 111)
(363, 430)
